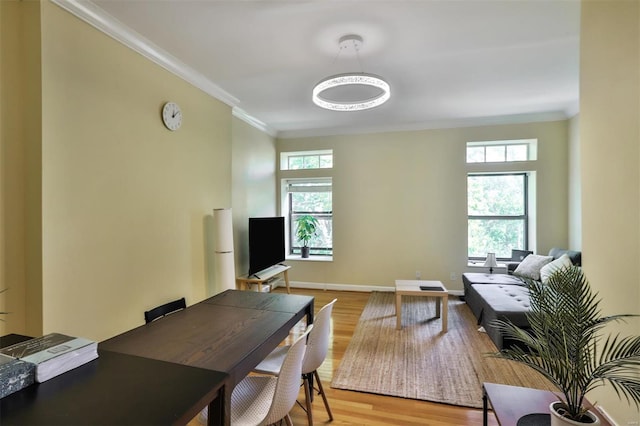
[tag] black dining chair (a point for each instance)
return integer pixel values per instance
(162, 310)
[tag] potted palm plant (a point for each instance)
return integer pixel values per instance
(565, 344)
(306, 227)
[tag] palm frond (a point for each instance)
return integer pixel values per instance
(565, 345)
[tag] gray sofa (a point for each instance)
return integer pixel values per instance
(503, 296)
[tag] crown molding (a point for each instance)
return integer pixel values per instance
(99, 19)
(251, 120)
(431, 125)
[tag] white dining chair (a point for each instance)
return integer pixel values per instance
(264, 400)
(317, 347)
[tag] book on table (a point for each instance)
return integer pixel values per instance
(14, 375)
(53, 354)
(431, 288)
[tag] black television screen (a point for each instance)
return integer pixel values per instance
(266, 242)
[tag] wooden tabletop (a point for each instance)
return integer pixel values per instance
(230, 333)
(166, 371)
(276, 302)
(412, 287)
(114, 389)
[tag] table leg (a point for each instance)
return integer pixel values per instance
(485, 407)
(220, 409)
(398, 311)
(445, 312)
(286, 281)
(310, 313)
(438, 303)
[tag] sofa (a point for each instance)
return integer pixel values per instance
(505, 296)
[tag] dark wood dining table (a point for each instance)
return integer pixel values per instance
(228, 333)
(166, 371)
(115, 389)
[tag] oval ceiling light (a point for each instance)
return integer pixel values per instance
(355, 91)
(350, 79)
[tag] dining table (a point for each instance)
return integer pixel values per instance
(166, 371)
(230, 333)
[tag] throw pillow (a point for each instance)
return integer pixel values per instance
(531, 265)
(548, 269)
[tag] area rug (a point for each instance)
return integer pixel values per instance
(421, 362)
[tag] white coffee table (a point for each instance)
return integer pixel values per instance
(412, 288)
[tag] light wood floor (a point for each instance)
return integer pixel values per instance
(358, 408)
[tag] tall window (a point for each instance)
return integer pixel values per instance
(311, 197)
(497, 214)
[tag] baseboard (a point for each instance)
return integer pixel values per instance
(339, 287)
(604, 414)
(349, 287)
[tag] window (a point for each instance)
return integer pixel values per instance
(497, 214)
(502, 151)
(310, 197)
(306, 160)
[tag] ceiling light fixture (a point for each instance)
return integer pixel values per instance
(351, 91)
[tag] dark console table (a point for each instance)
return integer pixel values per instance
(510, 403)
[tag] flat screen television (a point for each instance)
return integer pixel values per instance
(266, 242)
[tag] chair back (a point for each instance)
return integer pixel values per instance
(288, 385)
(318, 342)
(163, 310)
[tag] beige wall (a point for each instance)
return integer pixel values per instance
(125, 202)
(104, 212)
(575, 185)
(400, 201)
(20, 131)
(254, 184)
(610, 162)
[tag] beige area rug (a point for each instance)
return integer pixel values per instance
(419, 361)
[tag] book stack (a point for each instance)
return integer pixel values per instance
(14, 375)
(53, 354)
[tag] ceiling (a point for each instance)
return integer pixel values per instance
(449, 63)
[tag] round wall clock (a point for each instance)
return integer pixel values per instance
(172, 116)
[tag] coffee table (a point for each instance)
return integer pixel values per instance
(412, 288)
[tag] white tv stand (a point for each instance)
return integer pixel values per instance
(244, 282)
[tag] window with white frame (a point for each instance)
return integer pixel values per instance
(321, 159)
(502, 151)
(497, 208)
(310, 196)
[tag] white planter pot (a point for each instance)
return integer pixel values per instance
(558, 420)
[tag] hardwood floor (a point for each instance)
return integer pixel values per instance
(358, 408)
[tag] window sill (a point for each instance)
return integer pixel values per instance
(480, 263)
(311, 258)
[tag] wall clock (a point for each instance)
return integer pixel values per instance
(172, 116)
